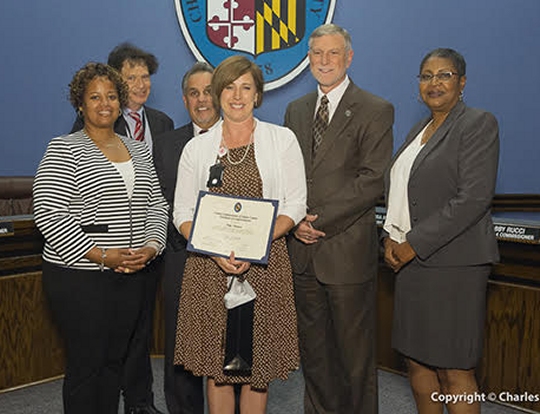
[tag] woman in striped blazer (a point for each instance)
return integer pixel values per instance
(98, 203)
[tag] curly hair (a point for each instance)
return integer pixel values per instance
(231, 69)
(126, 52)
(87, 74)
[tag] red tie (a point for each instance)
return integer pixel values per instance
(138, 134)
(203, 131)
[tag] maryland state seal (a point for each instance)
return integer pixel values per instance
(273, 33)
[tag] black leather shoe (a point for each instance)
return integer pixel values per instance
(143, 409)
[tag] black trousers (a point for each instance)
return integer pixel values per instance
(183, 391)
(137, 379)
(96, 313)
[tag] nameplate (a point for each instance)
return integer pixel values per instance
(6, 229)
(521, 233)
(505, 230)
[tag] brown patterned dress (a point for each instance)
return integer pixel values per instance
(202, 316)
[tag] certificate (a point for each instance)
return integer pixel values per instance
(223, 224)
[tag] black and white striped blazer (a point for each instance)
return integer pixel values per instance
(81, 201)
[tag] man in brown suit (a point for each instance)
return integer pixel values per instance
(347, 145)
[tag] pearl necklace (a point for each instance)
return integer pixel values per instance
(244, 156)
(224, 149)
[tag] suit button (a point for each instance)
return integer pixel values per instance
(414, 203)
(415, 219)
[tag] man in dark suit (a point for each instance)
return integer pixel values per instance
(183, 391)
(346, 138)
(142, 123)
(136, 66)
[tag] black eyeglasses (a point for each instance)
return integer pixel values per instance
(441, 76)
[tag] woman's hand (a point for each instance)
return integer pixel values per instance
(111, 258)
(397, 255)
(389, 256)
(230, 265)
(136, 259)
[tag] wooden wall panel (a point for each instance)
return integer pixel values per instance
(511, 359)
(31, 348)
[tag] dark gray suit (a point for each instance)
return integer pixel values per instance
(451, 188)
(183, 391)
(335, 278)
(439, 303)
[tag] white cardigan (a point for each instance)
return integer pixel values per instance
(278, 158)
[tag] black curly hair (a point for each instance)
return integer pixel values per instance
(88, 73)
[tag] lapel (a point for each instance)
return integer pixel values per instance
(120, 126)
(343, 115)
(438, 136)
(307, 137)
(152, 121)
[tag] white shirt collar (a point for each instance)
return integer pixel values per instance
(197, 129)
(126, 111)
(334, 96)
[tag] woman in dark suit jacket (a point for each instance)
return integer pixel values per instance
(98, 203)
(439, 237)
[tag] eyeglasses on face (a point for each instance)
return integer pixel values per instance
(441, 76)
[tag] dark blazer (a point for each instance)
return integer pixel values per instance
(158, 121)
(168, 148)
(344, 182)
(183, 391)
(451, 187)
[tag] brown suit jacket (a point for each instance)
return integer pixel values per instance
(344, 182)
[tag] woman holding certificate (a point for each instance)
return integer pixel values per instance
(247, 158)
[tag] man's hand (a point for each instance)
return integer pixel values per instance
(306, 233)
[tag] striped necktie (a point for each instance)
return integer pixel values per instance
(138, 134)
(320, 123)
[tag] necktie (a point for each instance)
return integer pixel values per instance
(138, 134)
(203, 131)
(321, 123)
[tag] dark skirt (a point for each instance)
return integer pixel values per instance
(439, 314)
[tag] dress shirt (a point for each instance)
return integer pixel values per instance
(334, 97)
(197, 129)
(131, 125)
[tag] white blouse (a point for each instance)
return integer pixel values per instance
(128, 175)
(398, 219)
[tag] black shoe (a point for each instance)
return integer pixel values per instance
(143, 409)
